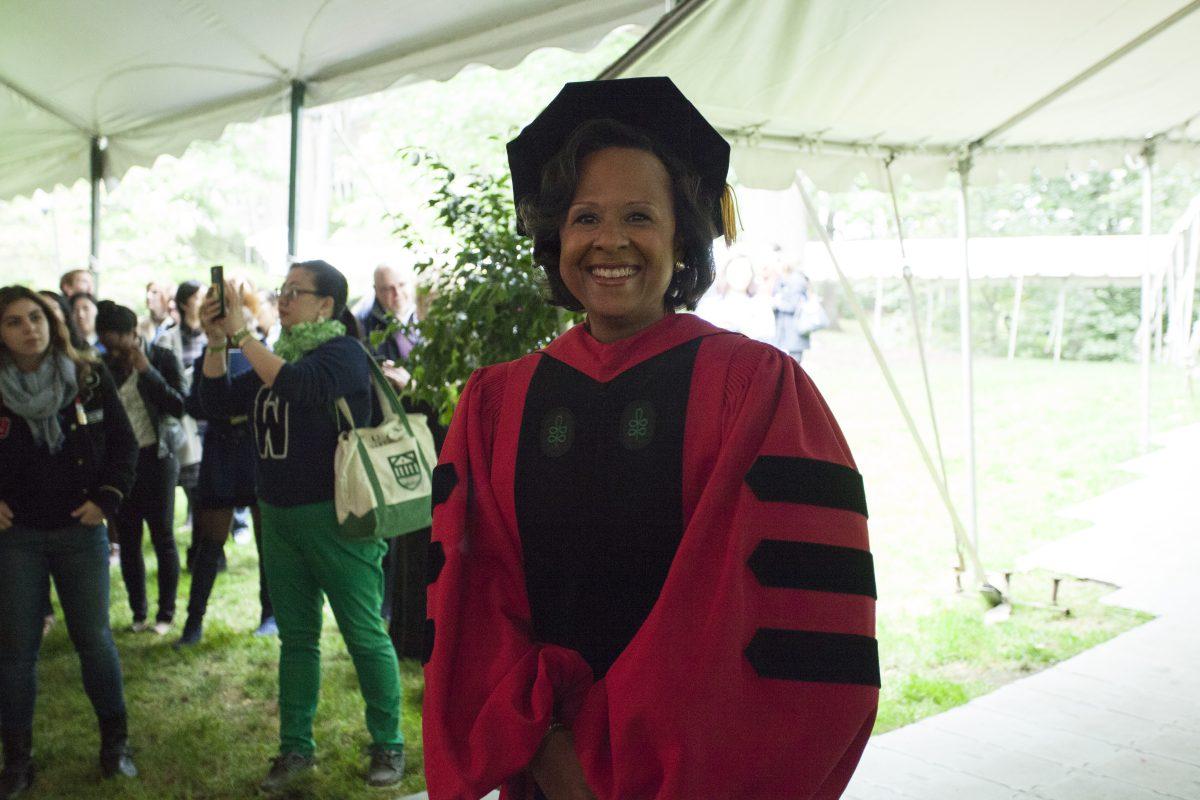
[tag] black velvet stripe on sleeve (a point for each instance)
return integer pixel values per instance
(780, 564)
(788, 479)
(814, 656)
(435, 562)
(445, 478)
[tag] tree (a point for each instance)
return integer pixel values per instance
(485, 296)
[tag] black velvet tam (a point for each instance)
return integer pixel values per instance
(655, 106)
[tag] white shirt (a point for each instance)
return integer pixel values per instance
(135, 409)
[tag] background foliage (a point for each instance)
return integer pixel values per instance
(485, 294)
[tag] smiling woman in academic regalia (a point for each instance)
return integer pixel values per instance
(650, 574)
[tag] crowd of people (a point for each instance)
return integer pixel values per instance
(648, 572)
(773, 302)
(104, 414)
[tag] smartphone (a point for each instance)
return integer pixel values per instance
(217, 278)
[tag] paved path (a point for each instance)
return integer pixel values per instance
(1119, 722)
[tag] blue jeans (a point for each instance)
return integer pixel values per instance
(77, 558)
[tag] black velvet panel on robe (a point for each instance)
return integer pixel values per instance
(599, 504)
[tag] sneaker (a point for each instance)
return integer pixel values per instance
(285, 768)
(117, 762)
(387, 767)
(139, 626)
(162, 628)
(267, 628)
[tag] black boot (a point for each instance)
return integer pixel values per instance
(114, 749)
(18, 764)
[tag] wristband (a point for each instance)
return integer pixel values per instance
(218, 348)
(237, 338)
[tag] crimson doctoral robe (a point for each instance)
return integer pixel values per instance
(660, 542)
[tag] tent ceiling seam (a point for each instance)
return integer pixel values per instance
(234, 32)
(153, 67)
(752, 135)
(1091, 71)
(302, 50)
(268, 93)
(665, 25)
(29, 97)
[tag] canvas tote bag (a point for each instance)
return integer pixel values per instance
(382, 483)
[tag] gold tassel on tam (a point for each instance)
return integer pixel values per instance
(730, 217)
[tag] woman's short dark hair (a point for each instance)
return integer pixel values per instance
(184, 293)
(543, 214)
(327, 282)
(113, 317)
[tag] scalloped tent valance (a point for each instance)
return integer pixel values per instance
(152, 76)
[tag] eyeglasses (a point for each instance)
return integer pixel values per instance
(290, 293)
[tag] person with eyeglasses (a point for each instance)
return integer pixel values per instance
(290, 396)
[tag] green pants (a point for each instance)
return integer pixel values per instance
(306, 561)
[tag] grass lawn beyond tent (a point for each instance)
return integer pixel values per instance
(204, 722)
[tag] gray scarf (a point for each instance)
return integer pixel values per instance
(37, 396)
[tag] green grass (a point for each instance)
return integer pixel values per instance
(1047, 436)
(205, 721)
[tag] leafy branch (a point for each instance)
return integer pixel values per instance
(486, 297)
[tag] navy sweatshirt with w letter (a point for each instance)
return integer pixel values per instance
(296, 423)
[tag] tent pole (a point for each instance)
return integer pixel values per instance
(1016, 317)
(991, 593)
(1060, 320)
(293, 169)
(879, 305)
(964, 313)
(97, 175)
(1147, 290)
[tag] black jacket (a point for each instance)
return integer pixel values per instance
(97, 462)
(162, 390)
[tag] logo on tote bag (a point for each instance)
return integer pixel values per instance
(407, 469)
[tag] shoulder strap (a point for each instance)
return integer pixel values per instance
(389, 404)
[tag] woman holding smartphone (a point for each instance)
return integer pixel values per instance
(290, 395)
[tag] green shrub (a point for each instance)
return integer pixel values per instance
(486, 296)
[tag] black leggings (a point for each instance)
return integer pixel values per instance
(152, 500)
(210, 529)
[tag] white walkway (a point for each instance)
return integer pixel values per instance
(1119, 722)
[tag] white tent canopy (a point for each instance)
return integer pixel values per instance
(831, 87)
(835, 89)
(151, 76)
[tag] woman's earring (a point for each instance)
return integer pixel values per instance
(679, 266)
